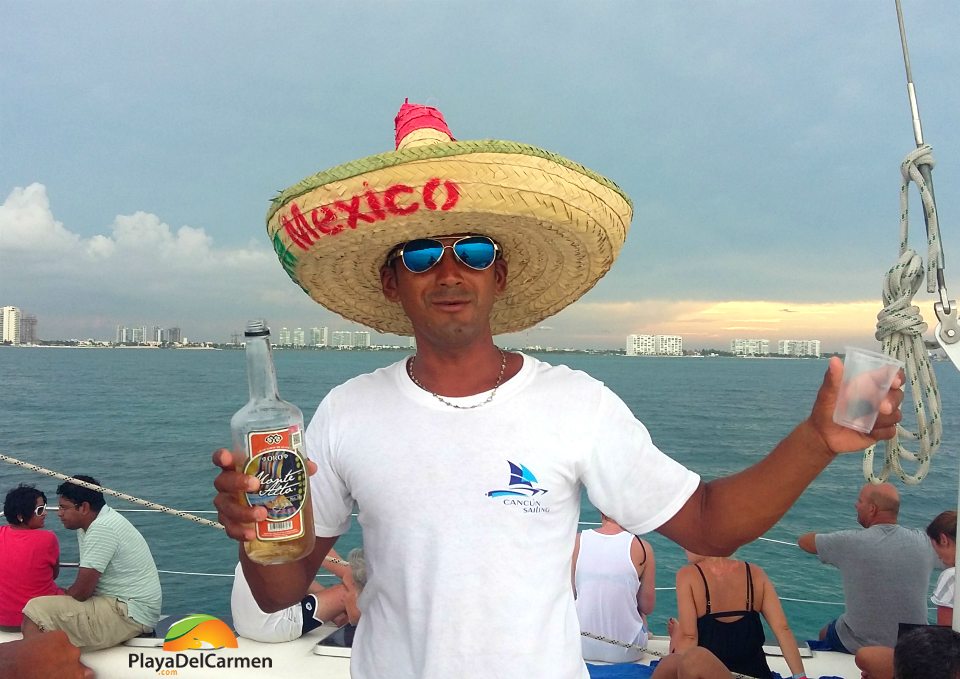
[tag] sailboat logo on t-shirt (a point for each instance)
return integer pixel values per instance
(522, 482)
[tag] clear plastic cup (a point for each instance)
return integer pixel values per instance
(867, 376)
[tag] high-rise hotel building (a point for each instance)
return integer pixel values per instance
(342, 339)
(799, 348)
(750, 347)
(654, 345)
(10, 324)
(28, 329)
(318, 337)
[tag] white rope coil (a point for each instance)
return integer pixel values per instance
(900, 329)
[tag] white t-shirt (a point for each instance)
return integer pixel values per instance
(469, 516)
(943, 592)
(251, 622)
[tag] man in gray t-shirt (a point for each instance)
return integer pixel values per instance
(885, 568)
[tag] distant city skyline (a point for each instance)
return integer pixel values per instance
(672, 345)
(284, 336)
(324, 336)
(760, 143)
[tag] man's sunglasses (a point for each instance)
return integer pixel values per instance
(422, 254)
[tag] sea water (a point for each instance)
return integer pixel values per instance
(145, 422)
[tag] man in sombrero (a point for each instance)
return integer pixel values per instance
(466, 461)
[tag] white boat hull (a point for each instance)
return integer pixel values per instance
(298, 658)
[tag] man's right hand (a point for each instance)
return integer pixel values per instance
(237, 517)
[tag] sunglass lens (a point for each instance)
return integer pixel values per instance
(476, 252)
(41, 510)
(419, 255)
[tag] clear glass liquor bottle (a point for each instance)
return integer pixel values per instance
(268, 441)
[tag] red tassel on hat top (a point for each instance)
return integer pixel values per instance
(414, 117)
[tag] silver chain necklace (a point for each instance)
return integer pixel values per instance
(503, 367)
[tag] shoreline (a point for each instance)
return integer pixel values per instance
(525, 350)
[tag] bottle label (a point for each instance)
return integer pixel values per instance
(276, 458)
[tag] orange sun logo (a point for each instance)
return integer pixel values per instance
(199, 632)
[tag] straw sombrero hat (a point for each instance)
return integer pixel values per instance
(560, 225)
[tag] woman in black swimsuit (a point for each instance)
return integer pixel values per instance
(719, 603)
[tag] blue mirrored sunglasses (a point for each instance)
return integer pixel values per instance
(422, 254)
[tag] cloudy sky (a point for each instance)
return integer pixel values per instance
(140, 143)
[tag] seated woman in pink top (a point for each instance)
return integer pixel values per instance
(29, 555)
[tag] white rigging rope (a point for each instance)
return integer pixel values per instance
(130, 498)
(114, 493)
(900, 329)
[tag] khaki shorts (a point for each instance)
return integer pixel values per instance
(98, 622)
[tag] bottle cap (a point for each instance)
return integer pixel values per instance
(256, 328)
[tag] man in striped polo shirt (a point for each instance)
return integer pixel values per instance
(116, 595)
